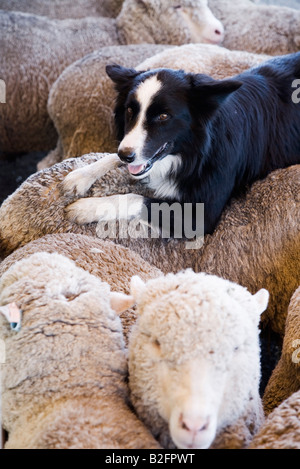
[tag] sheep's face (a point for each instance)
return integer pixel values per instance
(200, 23)
(171, 22)
(194, 356)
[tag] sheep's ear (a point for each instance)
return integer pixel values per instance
(121, 76)
(120, 302)
(262, 299)
(138, 287)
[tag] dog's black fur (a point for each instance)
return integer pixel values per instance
(228, 133)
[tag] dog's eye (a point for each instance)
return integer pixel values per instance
(163, 117)
(129, 112)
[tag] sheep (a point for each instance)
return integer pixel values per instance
(285, 379)
(45, 47)
(75, 111)
(256, 243)
(265, 29)
(194, 361)
(64, 380)
(281, 429)
(64, 9)
(113, 264)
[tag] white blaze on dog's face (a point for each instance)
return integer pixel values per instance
(134, 140)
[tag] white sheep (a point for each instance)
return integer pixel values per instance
(83, 115)
(64, 380)
(63, 9)
(194, 360)
(35, 50)
(266, 29)
(113, 264)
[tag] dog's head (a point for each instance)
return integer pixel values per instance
(159, 112)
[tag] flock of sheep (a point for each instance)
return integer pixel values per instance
(193, 357)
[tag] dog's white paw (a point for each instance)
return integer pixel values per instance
(104, 209)
(83, 211)
(78, 182)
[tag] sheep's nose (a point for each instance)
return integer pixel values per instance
(194, 425)
(127, 155)
(219, 33)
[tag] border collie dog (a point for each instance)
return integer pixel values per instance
(194, 139)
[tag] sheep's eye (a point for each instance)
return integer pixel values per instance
(236, 349)
(163, 117)
(177, 7)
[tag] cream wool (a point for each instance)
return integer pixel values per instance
(63, 9)
(281, 429)
(113, 264)
(285, 379)
(64, 380)
(264, 29)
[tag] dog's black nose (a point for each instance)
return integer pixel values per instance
(127, 155)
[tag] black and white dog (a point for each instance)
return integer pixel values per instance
(195, 139)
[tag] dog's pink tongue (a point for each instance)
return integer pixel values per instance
(133, 169)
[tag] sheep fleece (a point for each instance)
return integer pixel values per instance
(64, 381)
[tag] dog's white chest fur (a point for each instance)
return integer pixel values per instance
(158, 180)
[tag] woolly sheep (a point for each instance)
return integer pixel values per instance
(194, 361)
(113, 264)
(265, 29)
(45, 47)
(64, 380)
(76, 112)
(281, 429)
(285, 379)
(63, 9)
(256, 243)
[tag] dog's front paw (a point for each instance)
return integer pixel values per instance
(82, 212)
(105, 209)
(77, 182)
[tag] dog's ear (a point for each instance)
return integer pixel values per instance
(123, 80)
(121, 76)
(210, 91)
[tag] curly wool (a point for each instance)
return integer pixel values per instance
(112, 264)
(285, 379)
(263, 29)
(281, 429)
(63, 9)
(64, 380)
